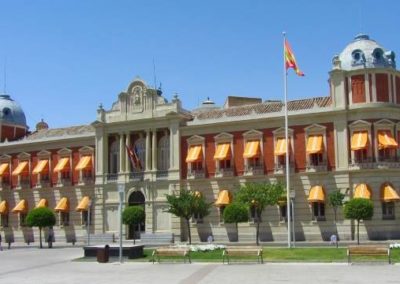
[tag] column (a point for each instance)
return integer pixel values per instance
(148, 151)
(154, 150)
(374, 99)
(366, 88)
(127, 160)
(100, 156)
(174, 146)
(121, 153)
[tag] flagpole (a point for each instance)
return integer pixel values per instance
(288, 215)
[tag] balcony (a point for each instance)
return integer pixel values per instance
(387, 163)
(43, 183)
(112, 177)
(86, 180)
(4, 183)
(228, 172)
(64, 181)
(361, 164)
(162, 174)
(196, 174)
(253, 171)
(23, 182)
(316, 167)
(136, 176)
(369, 163)
(280, 169)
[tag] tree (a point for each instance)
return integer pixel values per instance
(359, 209)
(133, 215)
(236, 213)
(41, 217)
(187, 204)
(336, 201)
(258, 196)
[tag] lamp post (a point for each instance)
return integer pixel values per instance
(88, 221)
(121, 193)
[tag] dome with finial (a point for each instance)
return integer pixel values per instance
(364, 52)
(11, 112)
(41, 125)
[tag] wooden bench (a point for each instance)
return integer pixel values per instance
(368, 251)
(172, 251)
(241, 251)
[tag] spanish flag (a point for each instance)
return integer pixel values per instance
(290, 60)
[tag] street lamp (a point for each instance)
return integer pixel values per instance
(121, 193)
(88, 221)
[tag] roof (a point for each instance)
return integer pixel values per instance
(80, 130)
(11, 112)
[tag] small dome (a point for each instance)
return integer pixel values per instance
(364, 52)
(11, 112)
(41, 125)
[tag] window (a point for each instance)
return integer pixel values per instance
(318, 209)
(114, 157)
(358, 57)
(361, 156)
(197, 218)
(85, 218)
(387, 210)
(163, 153)
(283, 212)
(22, 219)
(223, 155)
(140, 146)
(225, 164)
(316, 159)
(221, 213)
(4, 220)
(64, 218)
(253, 152)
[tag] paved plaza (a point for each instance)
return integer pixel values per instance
(32, 265)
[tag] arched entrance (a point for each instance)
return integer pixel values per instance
(136, 199)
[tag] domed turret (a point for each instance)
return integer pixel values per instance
(364, 52)
(41, 125)
(11, 112)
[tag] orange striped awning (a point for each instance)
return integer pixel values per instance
(83, 204)
(3, 208)
(317, 194)
(315, 144)
(223, 151)
(280, 147)
(252, 149)
(84, 162)
(4, 169)
(41, 167)
(388, 193)
(62, 205)
(224, 198)
(194, 154)
(20, 168)
(42, 203)
(21, 207)
(359, 140)
(386, 140)
(362, 191)
(62, 164)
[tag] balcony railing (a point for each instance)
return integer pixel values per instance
(162, 174)
(64, 181)
(43, 183)
(228, 172)
(313, 168)
(112, 177)
(4, 183)
(369, 163)
(281, 168)
(196, 174)
(136, 176)
(86, 180)
(253, 171)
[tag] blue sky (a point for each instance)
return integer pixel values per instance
(64, 58)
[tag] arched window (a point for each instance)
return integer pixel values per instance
(114, 157)
(163, 153)
(140, 146)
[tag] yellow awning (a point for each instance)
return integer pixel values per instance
(84, 162)
(194, 154)
(223, 151)
(83, 204)
(315, 144)
(316, 194)
(4, 168)
(22, 207)
(41, 167)
(388, 193)
(42, 203)
(20, 168)
(62, 164)
(362, 191)
(359, 140)
(252, 149)
(280, 147)
(62, 205)
(224, 198)
(386, 140)
(3, 208)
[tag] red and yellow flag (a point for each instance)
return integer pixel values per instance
(290, 60)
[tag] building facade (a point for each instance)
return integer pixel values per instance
(347, 141)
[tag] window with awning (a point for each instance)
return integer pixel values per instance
(22, 166)
(280, 147)
(362, 191)
(317, 194)
(62, 205)
(83, 204)
(42, 203)
(388, 193)
(21, 207)
(223, 151)
(194, 154)
(315, 144)
(85, 162)
(62, 165)
(42, 166)
(386, 140)
(359, 140)
(4, 169)
(3, 208)
(251, 149)
(224, 198)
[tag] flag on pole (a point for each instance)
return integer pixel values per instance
(133, 157)
(290, 60)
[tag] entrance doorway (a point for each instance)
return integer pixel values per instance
(136, 199)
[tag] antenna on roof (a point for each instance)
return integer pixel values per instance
(154, 74)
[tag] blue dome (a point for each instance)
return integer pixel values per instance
(364, 52)
(11, 112)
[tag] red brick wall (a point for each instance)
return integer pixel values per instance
(382, 90)
(238, 148)
(398, 89)
(34, 162)
(269, 159)
(330, 146)
(358, 88)
(210, 151)
(184, 149)
(370, 87)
